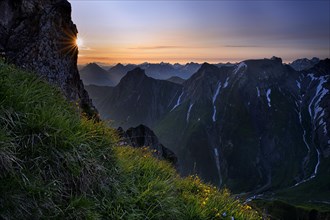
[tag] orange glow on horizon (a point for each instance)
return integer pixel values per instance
(221, 31)
(112, 56)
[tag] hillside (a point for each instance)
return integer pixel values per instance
(57, 164)
(136, 99)
(259, 122)
(93, 74)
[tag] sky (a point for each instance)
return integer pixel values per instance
(200, 31)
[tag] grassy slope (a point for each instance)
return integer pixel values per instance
(56, 164)
(52, 162)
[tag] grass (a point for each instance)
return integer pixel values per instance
(53, 162)
(56, 163)
(159, 193)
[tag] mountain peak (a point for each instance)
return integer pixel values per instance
(278, 59)
(119, 65)
(191, 63)
(93, 67)
(207, 66)
(135, 74)
(92, 64)
(304, 63)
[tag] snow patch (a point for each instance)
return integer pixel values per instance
(258, 92)
(316, 115)
(226, 83)
(188, 113)
(298, 84)
(318, 163)
(213, 100)
(319, 94)
(240, 66)
(312, 77)
(268, 97)
(178, 102)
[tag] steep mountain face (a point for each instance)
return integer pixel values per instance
(260, 122)
(40, 36)
(161, 70)
(189, 69)
(93, 74)
(142, 136)
(255, 126)
(137, 99)
(119, 71)
(304, 64)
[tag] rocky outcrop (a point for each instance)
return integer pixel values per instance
(142, 136)
(39, 36)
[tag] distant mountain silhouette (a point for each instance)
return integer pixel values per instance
(119, 71)
(93, 74)
(136, 98)
(303, 64)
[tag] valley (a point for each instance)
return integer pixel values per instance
(259, 122)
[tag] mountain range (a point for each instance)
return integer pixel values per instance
(304, 63)
(93, 74)
(259, 122)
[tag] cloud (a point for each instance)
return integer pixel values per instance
(231, 46)
(83, 48)
(157, 47)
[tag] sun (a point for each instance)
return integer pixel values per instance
(79, 42)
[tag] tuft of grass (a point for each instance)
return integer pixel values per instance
(50, 156)
(157, 192)
(56, 163)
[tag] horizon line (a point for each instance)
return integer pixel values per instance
(184, 63)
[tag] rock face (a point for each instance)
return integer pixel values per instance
(137, 99)
(260, 122)
(39, 36)
(93, 74)
(255, 126)
(142, 136)
(304, 64)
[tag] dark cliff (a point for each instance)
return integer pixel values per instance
(40, 36)
(142, 136)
